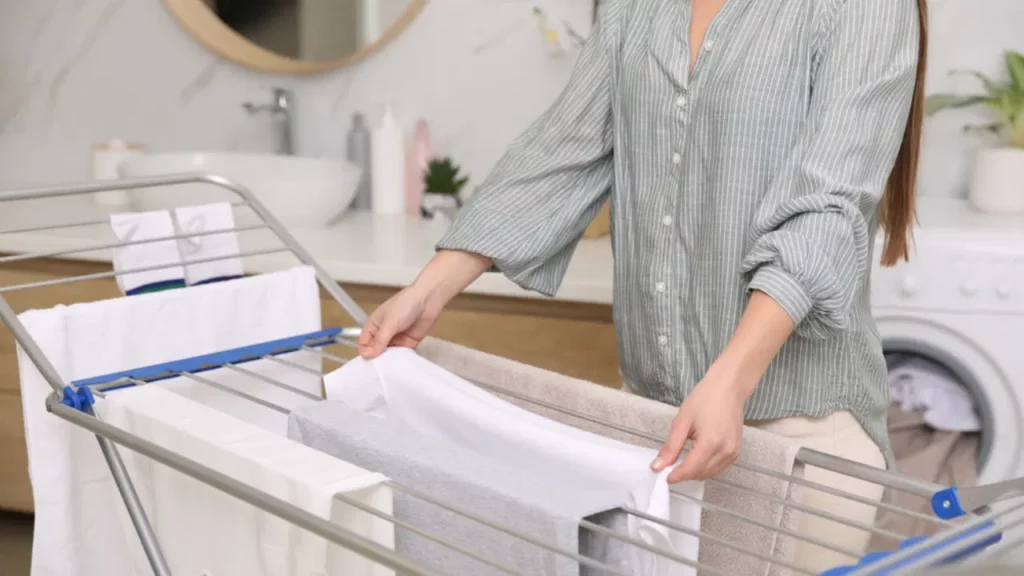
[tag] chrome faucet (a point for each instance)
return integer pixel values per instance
(280, 110)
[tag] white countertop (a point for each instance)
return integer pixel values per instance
(361, 249)
(390, 251)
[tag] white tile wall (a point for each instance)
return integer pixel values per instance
(965, 35)
(75, 72)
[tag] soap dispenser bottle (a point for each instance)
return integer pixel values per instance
(358, 153)
(387, 156)
(416, 169)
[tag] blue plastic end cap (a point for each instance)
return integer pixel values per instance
(946, 504)
(80, 399)
(874, 557)
(865, 560)
(838, 571)
(912, 541)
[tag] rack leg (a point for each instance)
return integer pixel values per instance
(135, 510)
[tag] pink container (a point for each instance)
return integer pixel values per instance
(415, 168)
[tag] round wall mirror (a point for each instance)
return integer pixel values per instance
(294, 36)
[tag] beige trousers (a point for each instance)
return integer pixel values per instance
(841, 435)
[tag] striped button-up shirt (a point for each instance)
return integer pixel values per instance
(761, 168)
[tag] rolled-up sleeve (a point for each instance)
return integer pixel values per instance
(531, 211)
(811, 244)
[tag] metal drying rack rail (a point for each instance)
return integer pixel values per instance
(965, 523)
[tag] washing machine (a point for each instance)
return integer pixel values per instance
(959, 302)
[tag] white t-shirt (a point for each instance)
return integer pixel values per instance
(402, 385)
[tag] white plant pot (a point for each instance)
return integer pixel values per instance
(441, 206)
(997, 181)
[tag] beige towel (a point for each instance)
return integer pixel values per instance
(654, 419)
(946, 458)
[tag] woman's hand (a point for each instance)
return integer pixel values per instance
(712, 414)
(403, 320)
(712, 417)
(407, 317)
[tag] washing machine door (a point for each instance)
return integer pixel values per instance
(998, 405)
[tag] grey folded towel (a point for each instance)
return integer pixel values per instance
(544, 507)
(654, 419)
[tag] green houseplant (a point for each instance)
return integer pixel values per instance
(443, 184)
(997, 181)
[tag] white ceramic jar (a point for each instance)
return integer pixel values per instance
(997, 181)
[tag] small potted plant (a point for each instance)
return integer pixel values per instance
(443, 186)
(997, 181)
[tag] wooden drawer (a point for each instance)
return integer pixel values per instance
(15, 490)
(577, 340)
(47, 297)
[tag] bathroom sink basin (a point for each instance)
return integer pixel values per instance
(301, 192)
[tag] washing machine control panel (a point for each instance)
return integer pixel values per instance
(953, 276)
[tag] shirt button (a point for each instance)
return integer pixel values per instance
(666, 220)
(681, 101)
(660, 286)
(663, 340)
(677, 158)
(709, 44)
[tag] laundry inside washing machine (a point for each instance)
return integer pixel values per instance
(921, 386)
(937, 429)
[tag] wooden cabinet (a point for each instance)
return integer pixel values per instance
(574, 339)
(15, 492)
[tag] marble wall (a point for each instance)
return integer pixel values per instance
(76, 72)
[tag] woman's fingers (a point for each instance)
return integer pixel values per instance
(696, 463)
(728, 452)
(398, 322)
(364, 345)
(405, 341)
(673, 447)
(389, 328)
(709, 457)
(718, 465)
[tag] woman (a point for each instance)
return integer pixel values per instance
(749, 164)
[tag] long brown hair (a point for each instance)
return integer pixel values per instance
(898, 203)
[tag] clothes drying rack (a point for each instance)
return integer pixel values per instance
(970, 520)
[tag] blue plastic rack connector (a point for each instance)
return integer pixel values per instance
(197, 364)
(928, 552)
(946, 504)
(80, 399)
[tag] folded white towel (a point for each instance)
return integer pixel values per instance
(74, 533)
(436, 403)
(136, 226)
(206, 531)
(208, 218)
(76, 529)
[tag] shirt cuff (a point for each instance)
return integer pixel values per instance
(784, 288)
(542, 281)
